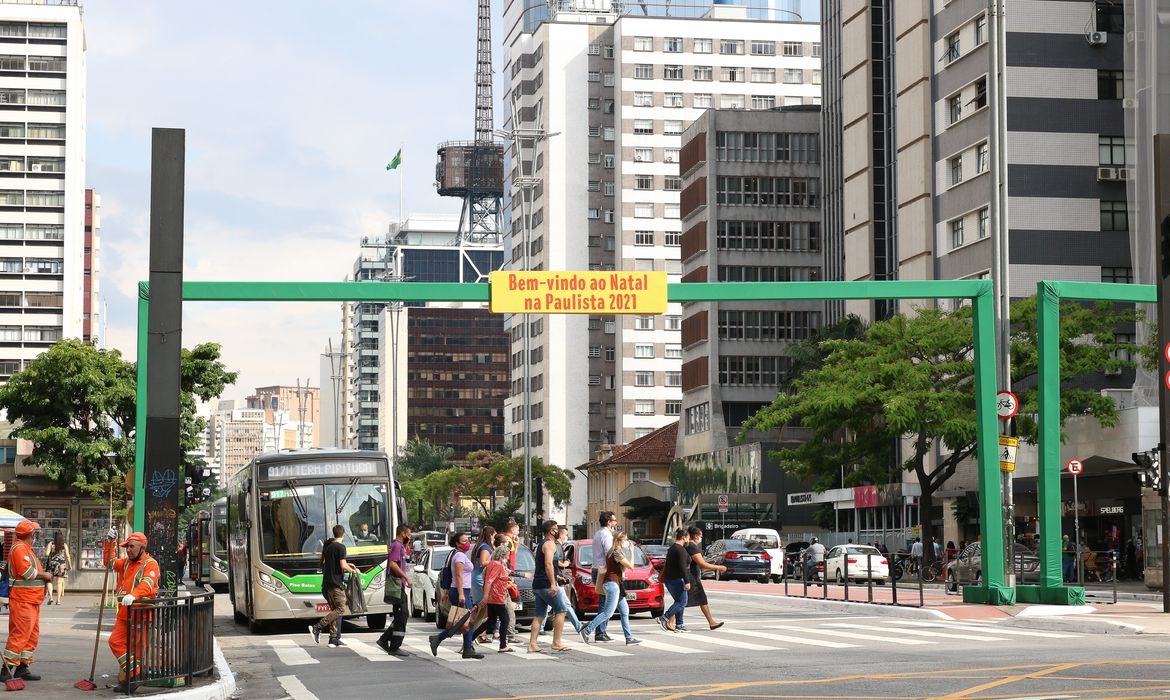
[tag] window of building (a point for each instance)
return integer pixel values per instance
(593, 213)
(643, 210)
(982, 220)
(731, 74)
(673, 322)
(595, 351)
(767, 48)
(672, 72)
(673, 351)
(595, 49)
(702, 100)
(980, 29)
(672, 408)
(607, 51)
(643, 71)
(703, 72)
(672, 44)
(594, 186)
(956, 167)
(643, 43)
(643, 154)
(644, 264)
(672, 99)
(608, 160)
(610, 353)
(982, 157)
(763, 75)
(816, 49)
(672, 127)
(607, 216)
(595, 158)
(1113, 150)
(644, 351)
(671, 183)
(594, 76)
(644, 407)
(953, 48)
(608, 133)
(610, 327)
(644, 323)
(643, 182)
(670, 211)
(731, 101)
(792, 49)
(643, 238)
(816, 76)
(954, 108)
(703, 45)
(1117, 275)
(643, 126)
(643, 379)
(763, 101)
(731, 47)
(610, 245)
(698, 419)
(793, 76)
(670, 155)
(674, 379)
(672, 238)
(1110, 84)
(956, 228)
(1114, 216)
(643, 99)
(980, 99)
(609, 188)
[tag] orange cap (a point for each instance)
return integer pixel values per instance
(26, 526)
(135, 537)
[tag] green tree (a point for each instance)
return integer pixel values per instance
(418, 457)
(487, 472)
(77, 405)
(911, 380)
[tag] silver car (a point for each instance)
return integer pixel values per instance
(424, 579)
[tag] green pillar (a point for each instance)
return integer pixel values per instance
(992, 589)
(140, 412)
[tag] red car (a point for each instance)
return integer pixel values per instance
(643, 589)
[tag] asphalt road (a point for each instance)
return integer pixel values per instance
(767, 649)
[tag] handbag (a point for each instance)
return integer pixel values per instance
(354, 598)
(392, 593)
(513, 592)
(455, 614)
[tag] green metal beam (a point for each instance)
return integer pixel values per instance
(1049, 295)
(991, 591)
(140, 414)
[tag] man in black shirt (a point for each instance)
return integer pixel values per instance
(676, 576)
(333, 570)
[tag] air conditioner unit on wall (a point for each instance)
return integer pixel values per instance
(1106, 173)
(1097, 38)
(1125, 173)
(1129, 103)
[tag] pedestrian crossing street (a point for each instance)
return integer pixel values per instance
(735, 637)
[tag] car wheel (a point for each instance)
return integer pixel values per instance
(763, 579)
(840, 578)
(416, 612)
(428, 614)
(656, 613)
(952, 583)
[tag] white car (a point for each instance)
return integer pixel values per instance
(767, 540)
(424, 578)
(856, 562)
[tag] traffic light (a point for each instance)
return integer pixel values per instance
(1151, 467)
(199, 484)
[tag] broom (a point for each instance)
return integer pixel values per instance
(88, 684)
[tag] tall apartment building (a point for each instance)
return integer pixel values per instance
(93, 315)
(751, 212)
(236, 437)
(42, 178)
(423, 248)
(617, 90)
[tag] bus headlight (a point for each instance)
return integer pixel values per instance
(270, 582)
(378, 580)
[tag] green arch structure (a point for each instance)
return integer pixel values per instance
(992, 589)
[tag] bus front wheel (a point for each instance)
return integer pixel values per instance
(376, 622)
(255, 626)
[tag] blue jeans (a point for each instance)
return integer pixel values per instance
(613, 601)
(546, 601)
(678, 591)
(476, 586)
(1070, 570)
(600, 605)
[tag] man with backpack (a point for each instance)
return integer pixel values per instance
(334, 568)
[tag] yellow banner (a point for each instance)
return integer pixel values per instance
(519, 292)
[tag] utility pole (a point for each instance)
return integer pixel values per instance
(1162, 216)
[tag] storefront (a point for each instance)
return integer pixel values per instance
(82, 521)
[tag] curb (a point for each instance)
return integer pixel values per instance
(224, 687)
(849, 606)
(1084, 624)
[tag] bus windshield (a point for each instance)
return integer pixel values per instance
(219, 544)
(297, 520)
(362, 510)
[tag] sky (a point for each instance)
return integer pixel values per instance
(290, 119)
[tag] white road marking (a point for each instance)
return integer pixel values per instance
(794, 640)
(444, 653)
(663, 646)
(712, 639)
(920, 633)
(295, 689)
(369, 652)
(850, 635)
(290, 653)
(594, 649)
(992, 627)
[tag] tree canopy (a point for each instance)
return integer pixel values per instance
(77, 405)
(911, 380)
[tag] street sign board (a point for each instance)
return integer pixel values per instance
(1007, 453)
(723, 503)
(570, 292)
(1007, 405)
(1075, 467)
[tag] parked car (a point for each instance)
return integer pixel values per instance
(792, 559)
(766, 540)
(643, 589)
(424, 579)
(967, 568)
(657, 554)
(525, 607)
(742, 562)
(857, 562)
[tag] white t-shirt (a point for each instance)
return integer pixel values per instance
(602, 543)
(916, 549)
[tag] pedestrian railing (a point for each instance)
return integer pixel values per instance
(169, 640)
(799, 575)
(1096, 571)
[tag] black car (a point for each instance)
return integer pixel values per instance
(742, 561)
(525, 607)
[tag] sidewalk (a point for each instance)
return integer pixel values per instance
(66, 649)
(1138, 610)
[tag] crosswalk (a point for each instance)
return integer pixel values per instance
(736, 637)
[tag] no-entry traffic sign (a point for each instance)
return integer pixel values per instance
(1075, 467)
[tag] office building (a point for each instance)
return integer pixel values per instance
(93, 318)
(236, 437)
(43, 260)
(289, 408)
(615, 89)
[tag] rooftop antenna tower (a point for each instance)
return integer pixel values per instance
(474, 170)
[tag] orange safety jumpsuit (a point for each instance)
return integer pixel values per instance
(24, 605)
(140, 579)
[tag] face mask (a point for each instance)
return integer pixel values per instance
(463, 546)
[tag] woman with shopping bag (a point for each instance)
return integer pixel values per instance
(460, 618)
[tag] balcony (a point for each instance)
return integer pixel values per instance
(646, 493)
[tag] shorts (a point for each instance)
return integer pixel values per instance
(545, 601)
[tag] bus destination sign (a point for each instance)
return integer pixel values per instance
(624, 292)
(317, 470)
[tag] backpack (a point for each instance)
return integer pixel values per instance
(446, 574)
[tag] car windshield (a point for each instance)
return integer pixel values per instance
(585, 555)
(524, 560)
(762, 542)
(439, 559)
(863, 550)
(654, 550)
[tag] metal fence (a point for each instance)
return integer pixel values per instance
(168, 639)
(888, 573)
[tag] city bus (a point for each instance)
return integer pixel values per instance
(281, 511)
(218, 539)
(201, 572)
